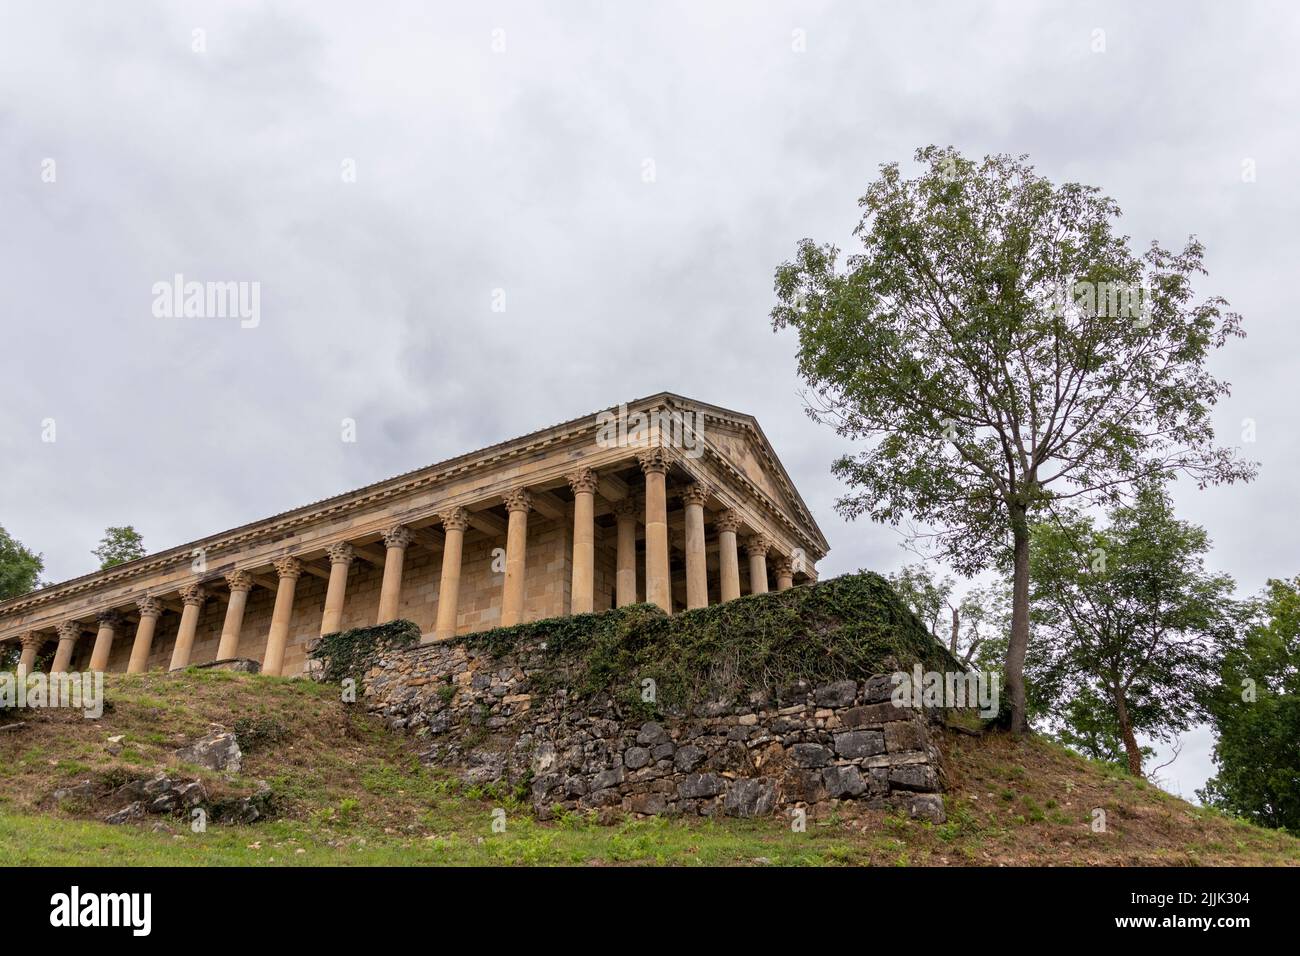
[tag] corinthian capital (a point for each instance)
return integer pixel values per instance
(696, 493)
(288, 567)
(341, 553)
(239, 581)
(109, 618)
(757, 544)
(782, 566)
(727, 521)
(653, 460)
(629, 507)
(32, 639)
(582, 481)
(398, 536)
(68, 631)
(149, 606)
(457, 519)
(519, 500)
(193, 594)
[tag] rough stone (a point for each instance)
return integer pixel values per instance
(927, 806)
(217, 751)
(750, 798)
(859, 743)
(634, 758)
(845, 781)
(841, 693)
(810, 755)
(697, 785)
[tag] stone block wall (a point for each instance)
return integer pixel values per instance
(801, 746)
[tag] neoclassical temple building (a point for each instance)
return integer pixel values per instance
(664, 499)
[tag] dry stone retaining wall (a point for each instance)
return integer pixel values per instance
(801, 746)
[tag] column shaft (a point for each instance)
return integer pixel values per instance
(658, 584)
(109, 622)
(69, 631)
(193, 598)
(396, 540)
(784, 571)
(582, 593)
(454, 524)
(757, 547)
(150, 610)
(32, 643)
(240, 583)
(625, 568)
(289, 570)
(336, 590)
(728, 523)
(518, 504)
(697, 573)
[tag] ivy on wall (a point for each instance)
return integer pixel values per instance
(847, 627)
(352, 652)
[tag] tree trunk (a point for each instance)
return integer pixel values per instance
(1019, 643)
(1126, 734)
(956, 627)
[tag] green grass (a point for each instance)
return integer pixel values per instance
(348, 791)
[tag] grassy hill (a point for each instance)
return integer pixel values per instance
(347, 791)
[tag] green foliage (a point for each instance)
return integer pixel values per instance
(351, 653)
(20, 569)
(118, 546)
(997, 346)
(850, 626)
(973, 629)
(1258, 747)
(1128, 625)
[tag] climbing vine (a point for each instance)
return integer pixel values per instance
(850, 626)
(353, 652)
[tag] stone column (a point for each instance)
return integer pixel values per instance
(518, 503)
(109, 624)
(756, 547)
(697, 571)
(193, 597)
(658, 583)
(396, 539)
(289, 570)
(68, 632)
(783, 568)
(582, 592)
(240, 583)
(625, 575)
(150, 611)
(454, 525)
(341, 556)
(32, 642)
(728, 523)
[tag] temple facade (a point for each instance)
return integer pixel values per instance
(664, 499)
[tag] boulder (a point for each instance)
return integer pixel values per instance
(927, 806)
(217, 751)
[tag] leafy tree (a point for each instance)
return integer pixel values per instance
(963, 625)
(118, 546)
(20, 569)
(1128, 626)
(999, 348)
(1256, 714)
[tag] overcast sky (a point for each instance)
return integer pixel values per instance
(624, 177)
